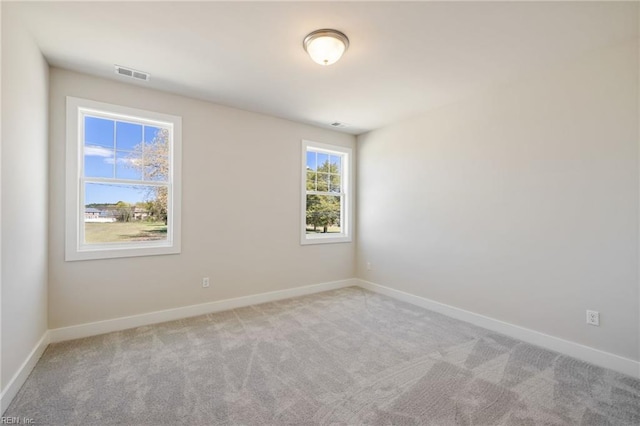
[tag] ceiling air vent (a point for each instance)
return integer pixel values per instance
(339, 125)
(128, 72)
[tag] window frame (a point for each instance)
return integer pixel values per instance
(346, 206)
(75, 247)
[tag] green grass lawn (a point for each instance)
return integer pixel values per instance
(117, 232)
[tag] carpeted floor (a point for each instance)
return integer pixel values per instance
(342, 357)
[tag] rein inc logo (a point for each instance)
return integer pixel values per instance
(17, 421)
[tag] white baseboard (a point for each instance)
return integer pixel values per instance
(23, 372)
(117, 324)
(565, 347)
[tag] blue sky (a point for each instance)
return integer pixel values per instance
(109, 153)
(315, 159)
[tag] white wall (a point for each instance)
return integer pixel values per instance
(24, 195)
(240, 217)
(520, 204)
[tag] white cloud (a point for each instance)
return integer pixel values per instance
(129, 161)
(123, 161)
(98, 151)
(108, 155)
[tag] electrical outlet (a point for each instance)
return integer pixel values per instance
(593, 318)
(205, 282)
(368, 266)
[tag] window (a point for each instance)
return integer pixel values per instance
(326, 200)
(123, 181)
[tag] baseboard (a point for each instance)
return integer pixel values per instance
(565, 347)
(124, 323)
(23, 372)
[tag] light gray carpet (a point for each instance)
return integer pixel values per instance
(342, 357)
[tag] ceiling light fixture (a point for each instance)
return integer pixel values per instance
(325, 46)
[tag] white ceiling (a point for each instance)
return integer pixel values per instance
(404, 58)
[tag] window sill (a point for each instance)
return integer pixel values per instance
(322, 239)
(114, 252)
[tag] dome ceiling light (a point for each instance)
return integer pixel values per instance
(325, 46)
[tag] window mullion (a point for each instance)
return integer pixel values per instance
(336, 194)
(123, 181)
(115, 159)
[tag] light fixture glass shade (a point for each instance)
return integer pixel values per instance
(325, 47)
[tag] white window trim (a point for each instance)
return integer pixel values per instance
(347, 203)
(74, 212)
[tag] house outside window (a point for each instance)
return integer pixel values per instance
(326, 193)
(123, 181)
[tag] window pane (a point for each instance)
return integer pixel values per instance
(323, 182)
(128, 165)
(336, 163)
(155, 155)
(323, 162)
(311, 181)
(334, 183)
(98, 161)
(124, 213)
(311, 160)
(128, 135)
(323, 214)
(98, 131)
(150, 133)
(156, 168)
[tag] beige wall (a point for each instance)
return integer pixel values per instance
(24, 195)
(240, 212)
(520, 204)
